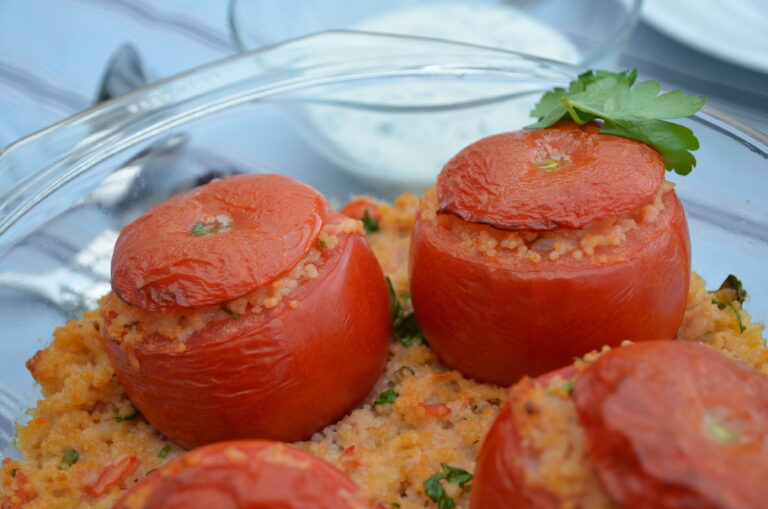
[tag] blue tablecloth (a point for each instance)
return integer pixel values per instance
(53, 53)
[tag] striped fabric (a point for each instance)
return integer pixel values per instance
(53, 52)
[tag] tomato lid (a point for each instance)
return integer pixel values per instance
(217, 242)
(565, 176)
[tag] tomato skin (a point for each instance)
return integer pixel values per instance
(645, 409)
(247, 474)
(501, 180)
(357, 207)
(279, 374)
(496, 324)
(160, 264)
(500, 479)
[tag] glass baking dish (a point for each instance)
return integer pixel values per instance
(66, 192)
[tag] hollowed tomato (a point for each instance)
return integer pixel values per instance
(497, 307)
(248, 474)
(283, 371)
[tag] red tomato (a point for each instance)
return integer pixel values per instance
(357, 207)
(248, 474)
(113, 475)
(496, 319)
(500, 479)
(217, 242)
(275, 374)
(566, 176)
(674, 424)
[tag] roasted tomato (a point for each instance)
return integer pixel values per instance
(508, 468)
(542, 244)
(248, 474)
(264, 364)
(360, 206)
(673, 424)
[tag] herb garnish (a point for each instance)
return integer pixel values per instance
(406, 327)
(370, 224)
(629, 110)
(121, 418)
(164, 451)
(388, 396)
(435, 490)
(231, 313)
(13, 472)
(70, 457)
(732, 284)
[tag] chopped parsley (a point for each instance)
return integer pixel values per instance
(733, 283)
(434, 489)
(231, 313)
(388, 396)
(406, 327)
(121, 418)
(734, 291)
(70, 457)
(164, 451)
(220, 224)
(370, 224)
(13, 472)
(628, 109)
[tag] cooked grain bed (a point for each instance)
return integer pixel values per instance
(390, 450)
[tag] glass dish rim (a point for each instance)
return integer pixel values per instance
(753, 138)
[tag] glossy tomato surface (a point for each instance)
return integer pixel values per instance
(500, 477)
(281, 373)
(497, 323)
(565, 176)
(248, 474)
(673, 424)
(216, 242)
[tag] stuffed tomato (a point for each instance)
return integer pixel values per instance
(246, 309)
(250, 474)
(538, 245)
(662, 424)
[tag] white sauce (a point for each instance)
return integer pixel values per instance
(411, 148)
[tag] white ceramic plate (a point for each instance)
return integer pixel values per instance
(732, 30)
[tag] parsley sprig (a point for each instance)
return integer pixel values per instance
(627, 109)
(733, 290)
(436, 492)
(405, 326)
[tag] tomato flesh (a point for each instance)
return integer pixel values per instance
(272, 374)
(673, 424)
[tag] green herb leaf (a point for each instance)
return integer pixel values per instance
(369, 223)
(121, 418)
(13, 472)
(164, 451)
(199, 230)
(722, 305)
(231, 313)
(70, 457)
(407, 329)
(396, 505)
(735, 284)
(395, 308)
(388, 396)
(630, 110)
(435, 491)
(456, 475)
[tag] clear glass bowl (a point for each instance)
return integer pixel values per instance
(598, 29)
(367, 142)
(66, 192)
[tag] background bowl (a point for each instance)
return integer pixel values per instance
(366, 133)
(66, 192)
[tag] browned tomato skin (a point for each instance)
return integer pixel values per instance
(248, 474)
(643, 408)
(497, 324)
(280, 374)
(504, 181)
(159, 264)
(499, 475)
